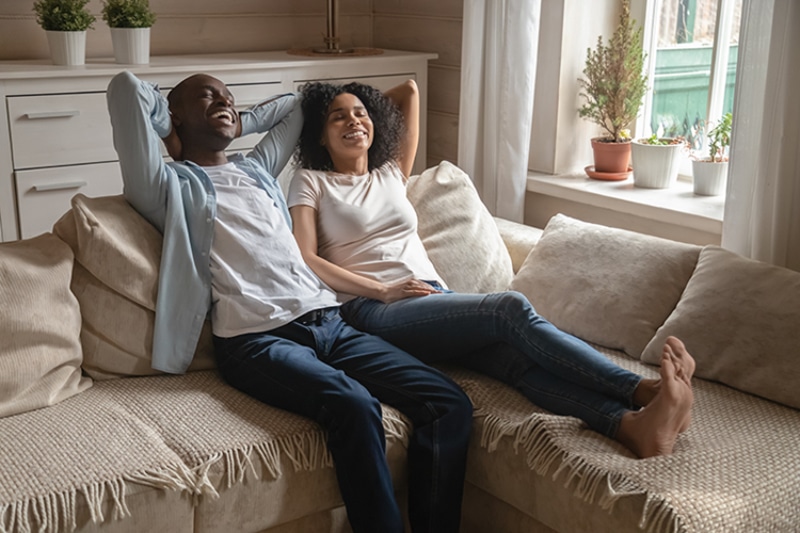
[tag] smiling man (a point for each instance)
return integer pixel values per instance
(228, 250)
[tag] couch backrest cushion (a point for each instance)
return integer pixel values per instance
(40, 322)
(608, 286)
(117, 254)
(458, 232)
(739, 318)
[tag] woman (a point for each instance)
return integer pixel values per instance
(357, 231)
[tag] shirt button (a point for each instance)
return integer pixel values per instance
(203, 254)
(208, 220)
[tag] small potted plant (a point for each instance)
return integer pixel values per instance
(65, 22)
(711, 173)
(656, 161)
(130, 22)
(613, 87)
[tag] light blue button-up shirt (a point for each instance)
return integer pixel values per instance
(178, 198)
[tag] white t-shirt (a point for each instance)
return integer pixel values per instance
(259, 280)
(365, 223)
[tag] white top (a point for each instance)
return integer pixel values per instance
(365, 223)
(259, 280)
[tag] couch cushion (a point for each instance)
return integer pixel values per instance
(739, 317)
(40, 325)
(609, 286)
(117, 254)
(458, 232)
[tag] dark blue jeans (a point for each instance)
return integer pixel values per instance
(501, 335)
(322, 368)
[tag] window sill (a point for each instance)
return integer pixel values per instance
(677, 205)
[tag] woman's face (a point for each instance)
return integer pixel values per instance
(348, 130)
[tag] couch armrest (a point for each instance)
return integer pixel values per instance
(519, 239)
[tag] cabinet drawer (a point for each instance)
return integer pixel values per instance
(44, 195)
(68, 129)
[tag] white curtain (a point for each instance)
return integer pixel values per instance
(498, 71)
(762, 208)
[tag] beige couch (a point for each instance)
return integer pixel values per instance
(92, 440)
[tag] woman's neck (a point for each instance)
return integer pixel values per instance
(356, 166)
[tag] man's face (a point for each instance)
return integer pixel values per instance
(203, 113)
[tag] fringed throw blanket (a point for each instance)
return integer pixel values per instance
(164, 432)
(737, 468)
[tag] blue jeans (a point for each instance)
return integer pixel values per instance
(501, 335)
(322, 368)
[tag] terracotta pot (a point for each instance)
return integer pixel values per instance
(611, 157)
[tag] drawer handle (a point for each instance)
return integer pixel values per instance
(53, 114)
(59, 186)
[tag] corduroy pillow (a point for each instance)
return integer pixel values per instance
(608, 286)
(40, 355)
(117, 254)
(739, 318)
(458, 232)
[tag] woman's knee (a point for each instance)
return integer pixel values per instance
(511, 303)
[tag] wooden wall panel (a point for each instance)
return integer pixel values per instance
(203, 26)
(200, 26)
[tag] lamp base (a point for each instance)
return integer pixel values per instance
(337, 52)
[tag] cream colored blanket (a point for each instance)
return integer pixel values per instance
(737, 468)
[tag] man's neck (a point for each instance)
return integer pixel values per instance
(206, 158)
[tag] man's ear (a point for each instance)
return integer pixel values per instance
(175, 120)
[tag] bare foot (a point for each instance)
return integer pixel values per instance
(684, 362)
(653, 430)
(684, 369)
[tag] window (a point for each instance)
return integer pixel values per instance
(691, 50)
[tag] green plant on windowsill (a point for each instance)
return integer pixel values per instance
(614, 83)
(63, 15)
(655, 140)
(128, 14)
(719, 139)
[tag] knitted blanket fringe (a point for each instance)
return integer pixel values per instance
(55, 513)
(305, 451)
(591, 483)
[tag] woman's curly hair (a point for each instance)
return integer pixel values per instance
(386, 118)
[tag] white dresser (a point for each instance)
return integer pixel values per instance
(55, 138)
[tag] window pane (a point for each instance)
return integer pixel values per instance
(683, 66)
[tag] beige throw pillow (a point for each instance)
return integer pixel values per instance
(40, 356)
(739, 319)
(605, 285)
(117, 255)
(458, 232)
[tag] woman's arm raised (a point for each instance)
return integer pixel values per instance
(406, 97)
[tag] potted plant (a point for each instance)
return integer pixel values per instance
(613, 87)
(130, 22)
(711, 173)
(656, 161)
(65, 22)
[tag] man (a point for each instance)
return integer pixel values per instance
(228, 249)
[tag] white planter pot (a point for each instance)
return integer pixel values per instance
(656, 166)
(131, 45)
(67, 47)
(709, 177)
